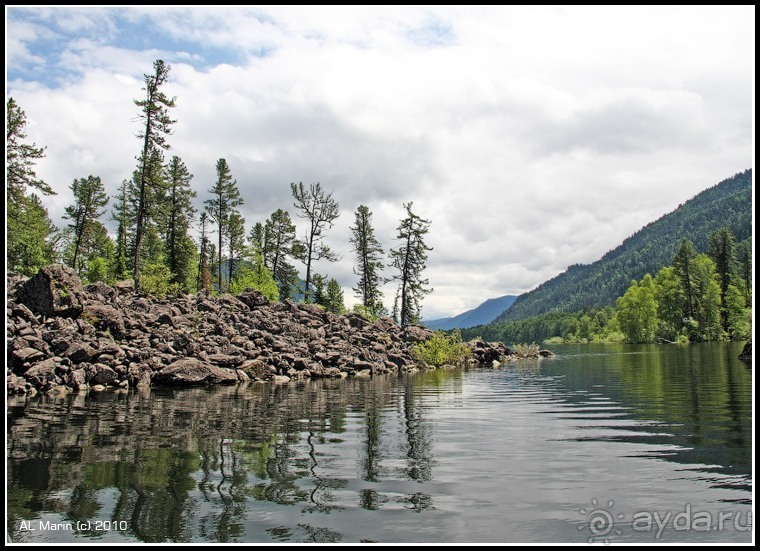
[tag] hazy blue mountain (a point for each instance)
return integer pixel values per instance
(484, 313)
(597, 285)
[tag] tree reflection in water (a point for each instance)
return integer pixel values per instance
(189, 465)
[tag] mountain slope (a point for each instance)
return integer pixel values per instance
(728, 203)
(479, 315)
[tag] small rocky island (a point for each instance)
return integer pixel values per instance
(63, 337)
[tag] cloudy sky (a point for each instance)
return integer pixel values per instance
(533, 138)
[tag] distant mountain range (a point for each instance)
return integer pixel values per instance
(728, 203)
(485, 313)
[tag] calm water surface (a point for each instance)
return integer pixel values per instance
(601, 442)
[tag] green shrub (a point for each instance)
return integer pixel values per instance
(97, 270)
(155, 279)
(257, 277)
(370, 314)
(441, 349)
(524, 350)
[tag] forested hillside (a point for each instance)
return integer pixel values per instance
(727, 204)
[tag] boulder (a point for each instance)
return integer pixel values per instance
(16, 385)
(25, 355)
(192, 371)
(42, 375)
(99, 291)
(417, 333)
(79, 352)
(225, 360)
(54, 291)
(105, 318)
(104, 376)
(76, 378)
(125, 287)
(21, 311)
(488, 352)
(746, 354)
(256, 369)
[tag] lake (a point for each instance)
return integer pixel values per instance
(616, 443)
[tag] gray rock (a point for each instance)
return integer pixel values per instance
(416, 333)
(242, 376)
(54, 291)
(124, 287)
(105, 318)
(16, 385)
(104, 376)
(746, 354)
(225, 360)
(25, 355)
(79, 352)
(21, 311)
(76, 378)
(191, 371)
(42, 375)
(99, 291)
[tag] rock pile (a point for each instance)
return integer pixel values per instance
(64, 336)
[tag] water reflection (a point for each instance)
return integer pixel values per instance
(185, 465)
(478, 455)
(695, 402)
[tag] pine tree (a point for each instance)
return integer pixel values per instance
(235, 242)
(152, 198)
(30, 235)
(257, 240)
(738, 317)
(320, 289)
(707, 301)
(321, 210)
(722, 251)
(670, 303)
(225, 197)
(154, 110)
(89, 199)
(256, 276)
(278, 244)
(204, 271)
(334, 299)
(683, 263)
(179, 217)
(368, 262)
(744, 252)
(212, 261)
(122, 216)
(20, 158)
(409, 259)
(96, 252)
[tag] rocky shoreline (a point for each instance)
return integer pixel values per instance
(65, 337)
